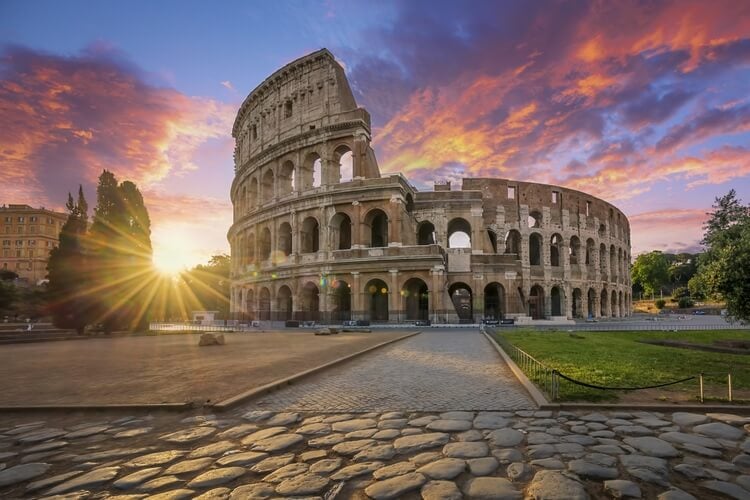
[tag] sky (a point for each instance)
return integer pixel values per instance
(645, 104)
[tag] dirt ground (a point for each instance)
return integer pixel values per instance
(165, 369)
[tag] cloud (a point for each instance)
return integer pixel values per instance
(68, 118)
(672, 230)
(228, 85)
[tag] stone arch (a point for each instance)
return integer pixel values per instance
(555, 249)
(249, 253)
(267, 187)
(376, 294)
(621, 304)
(513, 242)
(463, 301)
(535, 249)
(535, 219)
(409, 203)
(415, 296)
(613, 307)
(285, 239)
(310, 235)
(264, 304)
(344, 164)
(492, 235)
(612, 264)
(341, 297)
(603, 258)
(556, 297)
(590, 251)
(602, 231)
(284, 304)
(604, 303)
(243, 200)
(264, 245)
(426, 233)
(459, 233)
(376, 228)
(592, 302)
(252, 193)
(250, 304)
(309, 302)
(286, 178)
(494, 301)
(577, 304)
(311, 172)
(340, 229)
(574, 251)
(536, 302)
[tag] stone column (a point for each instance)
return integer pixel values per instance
(394, 223)
(547, 301)
(356, 225)
(478, 296)
(568, 309)
(357, 297)
(476, 230)
(394, 297)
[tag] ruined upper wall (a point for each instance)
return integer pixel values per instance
(306, 94)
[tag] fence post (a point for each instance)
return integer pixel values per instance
(729, 384)
(700, 379)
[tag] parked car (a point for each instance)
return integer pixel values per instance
(699, 312)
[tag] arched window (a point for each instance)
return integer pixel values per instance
(377, 223)
(285, 239)
(286, 178)
(590, 249)
(513, 242)
(459, 233)
(311, 172)
(264, 304)
(535, 219)
(309, 306)
(604, 309)
(243, 200)
(577, 305)
(493, 240)
(574, 250)
(555, 247)
(252, 194)
(494, 301)
(249, 252)
(536, 302)
(341, 231)
(284, 303)
(310, 236)
(462, 299)
(535, 249)
(265, 244)
(376, 295)
(557, 302)
(345, 161)
(342, 301)
(415, 298)
(592, 303)
(250, 304)
(267, 186)
(602, 258)
(426, 233)
(612, 263)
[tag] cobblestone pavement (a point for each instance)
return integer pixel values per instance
(437, 370)
(461, 454)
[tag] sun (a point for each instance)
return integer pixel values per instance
(173, 254)
(170, 263)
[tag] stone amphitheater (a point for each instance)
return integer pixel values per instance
(319, 234)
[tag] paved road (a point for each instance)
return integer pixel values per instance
(437, 370)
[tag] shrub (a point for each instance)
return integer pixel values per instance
(685, 302)
(660, 303)
(680, 292)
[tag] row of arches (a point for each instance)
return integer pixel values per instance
(275, 182)
(535, 221)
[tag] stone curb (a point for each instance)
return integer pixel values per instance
(666, 408)
(265, 389)
(535, 393)
(95, 407)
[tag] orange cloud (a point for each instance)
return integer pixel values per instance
(672, 230)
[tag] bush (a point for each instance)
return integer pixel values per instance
(685, 302)
(680, 292)
(660, 303)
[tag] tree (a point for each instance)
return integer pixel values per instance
(650, 271)
(8, 295)
(68, 296)
(725, 268)
(209, 284)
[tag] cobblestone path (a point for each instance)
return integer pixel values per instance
(437, 370)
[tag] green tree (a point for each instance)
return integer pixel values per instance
(68, 297)
(8, 295)
(209, 284)
(725, 268)
(650, 271)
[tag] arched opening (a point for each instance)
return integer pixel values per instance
(459, 233)
(265, 244)
(311, 172)
(309, 305)
(602, 230)
(613, 309)
(493, 240)
(285, 239)
(513, 242)
(555, 247)
(284, 303)
(494, 301)
(376, 293)
(243, 200)
(577, 305)
(345, 161)
(536, 302)
(376, 222)
(409, 203)
(535, 219)
(286, 178)
(250, 304)
(535, 249)
(341, 309)
(249, 253)
(426, 233)
(591, 304)
(252, 193)
(267, 186)
(575, 250)
(341, 231)
(463, 302)
(590, 249)
(310, 236)
(415, 298)
(557, 303)
(264, 304)
(622, 305)
(612, 263)
(603, 305)
(603, 258)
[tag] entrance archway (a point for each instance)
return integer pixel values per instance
(309, 306)
(494, 301)
(536, 302)
(284, 303)
(577, 305)
(462, 299)
(376, 293)
(341, 309)
(264, 304)
(415, 299)
(556, 299)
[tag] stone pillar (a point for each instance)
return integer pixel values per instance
(394, 223)
(296, 239)
(568, 298)
(357, 225)
(394, 297)
(359, 155)
(357, 297)
(476, 230)
(547, 301)
(585, 303)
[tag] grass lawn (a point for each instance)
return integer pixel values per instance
(617, 359)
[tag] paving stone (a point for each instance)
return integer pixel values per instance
(325, 466)
(633, 430)
(51, 481)
(20, 473)
(649, 469)
(491, 420)
(449, 425)
(591, 470)
(693, 471)
(215, 494)
(278, 443)
(729, 489)
(132, 480)
(601, 459)
(701, 450)
(541, 438)
(178, 494)
(410, 431)
(393, 470)
(652, 422)
(719, 430)
(569, 449)
(652, 446)
(314, 429)
(7, 454)
(158, 458)
(425, 458)
(353, 447)
(339, 417)
(258, 415)
(328, 440)
(742, 460)
(386, 434)
(391, 415)
(159, 483)
(605, 434)
(675, 494)
(272, 463)
(87, 431)
(744, 481)
(495, 488)
(549, 463)
(483, 466)
(621, 488)
(409, 444)
(440, 490)
(46, 446)
(111, 454)
(45, 456)
(138, 431)
(457, 415)
(610, 449)
(684, 419)
(594, 417)
(355, 470)
(253, 491)
(518, 471)
(212, 449)
(215, 477)
(393, 423)
(312, 455)
(445, 468)
(285, 472)
(91, 479)
(363, 434)
(356, 424)
(470, 449)
(729, 418)
(188, 435)
(685, 438)
(540, 451)
(256, 436)
(304, 484)
(380, 452)
(423, 421)
(554, 485)
(395, 486)
(189, 466)
(506, 437)
(237, 431)
(284, 418)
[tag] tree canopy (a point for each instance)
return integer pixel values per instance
(650, 271)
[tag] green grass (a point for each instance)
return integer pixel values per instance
(617, 359)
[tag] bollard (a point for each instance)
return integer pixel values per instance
(701, 386)
(729, 385)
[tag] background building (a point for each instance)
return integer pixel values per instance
(318, 234)
(28, 234)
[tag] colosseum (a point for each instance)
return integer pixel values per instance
(320, 235)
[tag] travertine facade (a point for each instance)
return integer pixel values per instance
(319, 234)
